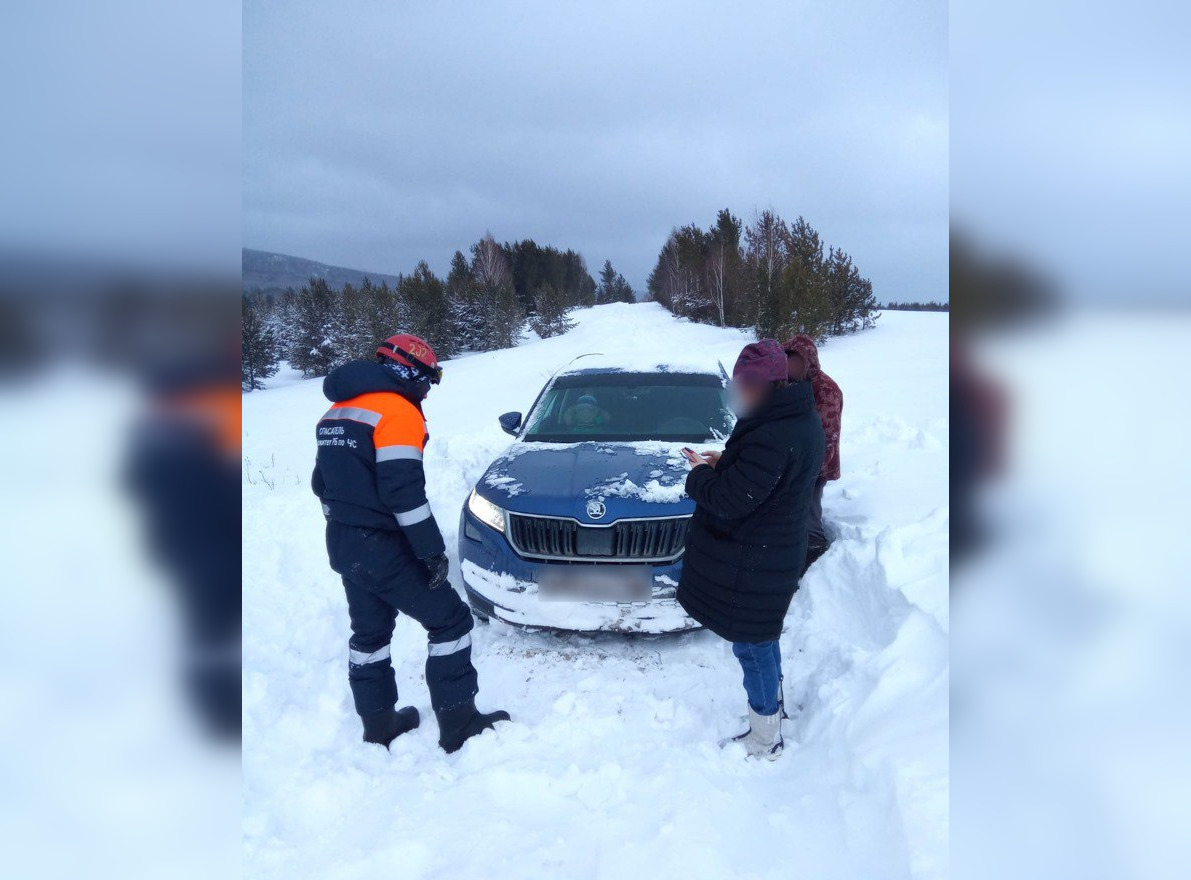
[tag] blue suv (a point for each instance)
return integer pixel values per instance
(581, 524)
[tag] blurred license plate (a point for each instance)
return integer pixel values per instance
(595, 583)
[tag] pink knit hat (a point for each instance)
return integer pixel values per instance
(760, 363)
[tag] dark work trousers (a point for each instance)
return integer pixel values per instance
(815, 536)
(382, 577)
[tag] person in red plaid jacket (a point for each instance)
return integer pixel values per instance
(802, 358)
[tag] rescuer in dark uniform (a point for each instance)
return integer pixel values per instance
(383, 540)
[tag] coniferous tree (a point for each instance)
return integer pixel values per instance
(805, 279)
(723, 267)
(578, 287)
(313, 348)
(770, 275)
(606, 289)
(258, 348)
(764, 263)
(550, 313)
(612, 287)
(587, 287)
(853, 305)
(426, 310)
(350, 329)
(657, 283)
(693, 297)
(532, 265)
(679, 281)
(623, 291)
(529, 268)
(664, 281)
(503, 316)
(467, 309)
(807, 308)
(379, 316)
(283, 318)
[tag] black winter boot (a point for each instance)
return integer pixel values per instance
(460, 723)
(384, 727)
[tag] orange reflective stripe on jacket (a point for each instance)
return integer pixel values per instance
(401, 424)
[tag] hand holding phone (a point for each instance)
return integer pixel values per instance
(692, 456)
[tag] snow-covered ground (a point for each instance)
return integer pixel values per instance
(612, 769)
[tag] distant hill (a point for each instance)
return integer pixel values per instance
(263, 271)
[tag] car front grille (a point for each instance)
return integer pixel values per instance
(542, 536)
(651, 538)
(633, 540)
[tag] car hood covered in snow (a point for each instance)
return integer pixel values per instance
(560, 479)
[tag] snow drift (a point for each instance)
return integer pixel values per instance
(612, 769)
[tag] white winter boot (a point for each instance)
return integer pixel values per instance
(763, 739)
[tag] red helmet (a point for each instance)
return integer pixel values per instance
(405, 348)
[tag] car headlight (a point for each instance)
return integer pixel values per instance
(485, 511)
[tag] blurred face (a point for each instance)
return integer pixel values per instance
(796, 366)
(586, 414)
(747, 397)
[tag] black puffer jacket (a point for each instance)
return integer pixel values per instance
(747, 540)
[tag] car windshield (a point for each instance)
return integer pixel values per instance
(678, 407)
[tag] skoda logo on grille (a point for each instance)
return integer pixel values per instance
(596, 509)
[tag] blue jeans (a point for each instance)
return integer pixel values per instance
(762, 665)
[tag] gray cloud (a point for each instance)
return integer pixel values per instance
(376, 135)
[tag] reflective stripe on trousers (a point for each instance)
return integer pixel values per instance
(442, 649)
(360, 658)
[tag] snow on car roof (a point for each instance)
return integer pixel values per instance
(643, 363)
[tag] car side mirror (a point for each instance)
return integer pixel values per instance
(510, 422)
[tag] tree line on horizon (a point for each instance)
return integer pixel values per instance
(931, 306)
(775, 277)
(482, 304)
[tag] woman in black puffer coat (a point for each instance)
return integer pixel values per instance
(747, 540)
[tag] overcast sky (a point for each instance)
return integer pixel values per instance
(378, 134)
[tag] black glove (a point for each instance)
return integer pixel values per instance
(438, 566)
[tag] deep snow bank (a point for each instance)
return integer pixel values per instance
(612, 769)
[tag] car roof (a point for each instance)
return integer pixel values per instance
(596, 363)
